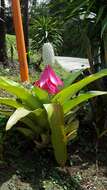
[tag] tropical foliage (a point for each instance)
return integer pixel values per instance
(88, 20)
(45, 29)
(47, 118)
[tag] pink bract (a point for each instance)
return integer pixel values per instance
(49, 81)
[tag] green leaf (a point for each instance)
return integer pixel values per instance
(71, 130)
(40, 118)
(10, 102)
(35, 120)
(72, 77)
(31, 124)
(78, 4)
(16, 116)
(88, 10)
(72, 135)
(72, 126)
(100, 13)
(71, 104)
(70, 91)
(19, 91)
(69, 117)
(6, 112)
(58, 137)
(104, 26)
(41, 94)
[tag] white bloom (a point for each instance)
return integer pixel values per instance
(48, 54)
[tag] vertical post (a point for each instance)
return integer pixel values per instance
(25, 4)
(3, 52)
(105, 47)
(17, 19)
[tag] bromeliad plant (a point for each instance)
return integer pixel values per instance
(47, 112)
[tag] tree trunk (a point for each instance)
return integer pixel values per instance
(3, 53)
(102, 50)
(25, 10)
(90, 58)
(105, 46)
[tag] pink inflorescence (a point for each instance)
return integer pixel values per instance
(49, 81)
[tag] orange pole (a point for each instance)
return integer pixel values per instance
(17, 19)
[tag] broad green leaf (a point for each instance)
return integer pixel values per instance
(10, 102)
(36, 119)
(70, 91)
(16, 116)
(31, 124)
(58, 137)
(19, 91)
(71, 104)
(72, 77)
(40, 118)
(41, 94)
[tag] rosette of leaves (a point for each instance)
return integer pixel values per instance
(45, 29)
(50, 118)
